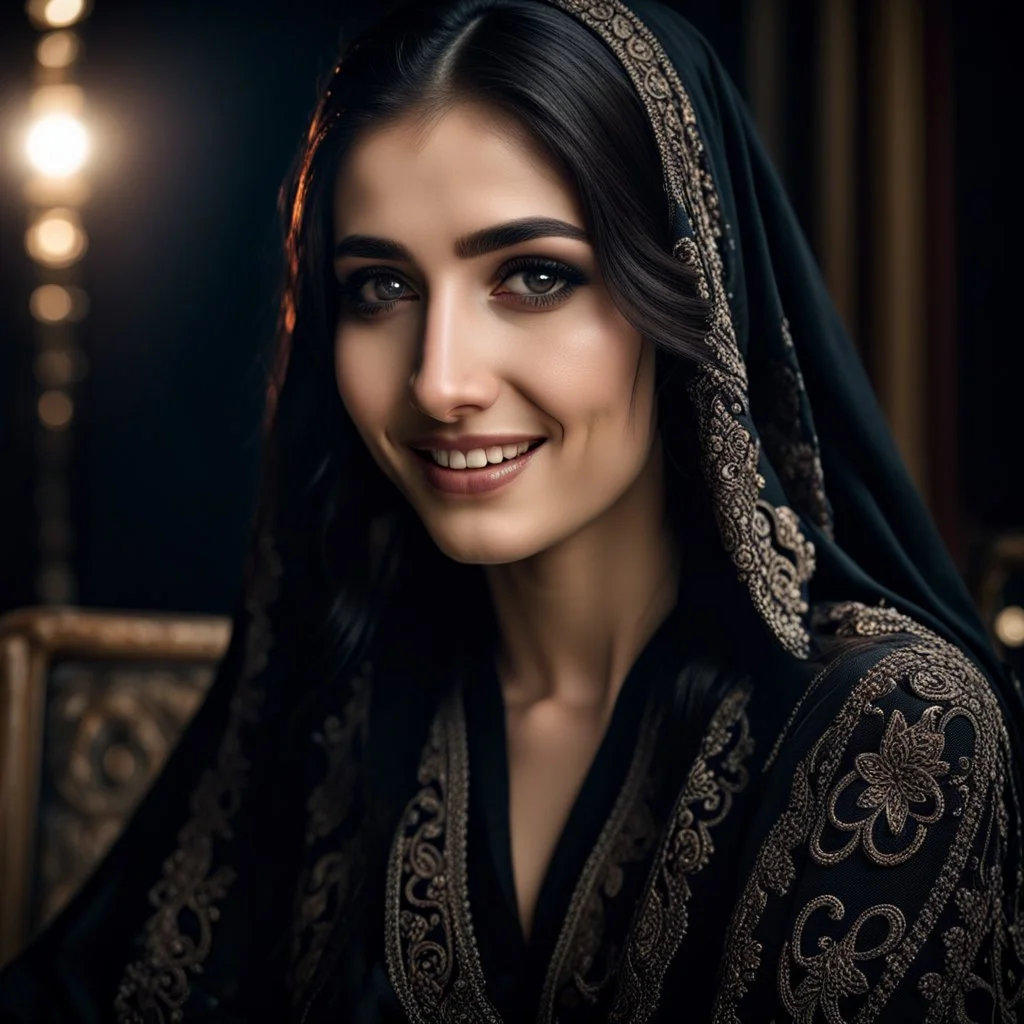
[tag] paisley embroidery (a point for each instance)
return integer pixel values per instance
(686, 848)
(179, 935)
(832, 974)
(324, 888)
(908, 769)
(770, 553)
(432, 957)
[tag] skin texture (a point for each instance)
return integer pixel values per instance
(580, 562)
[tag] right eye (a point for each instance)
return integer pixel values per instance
(374, 290)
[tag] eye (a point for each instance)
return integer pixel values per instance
(540, 282)
(374, 290)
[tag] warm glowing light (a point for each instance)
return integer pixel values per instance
(1009, 626)
(56, 239)
(58, 145)
(51, 303)
(57, 49)
(59, 98)
(56, 13)
(55, 409)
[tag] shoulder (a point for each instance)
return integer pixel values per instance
(879, 889)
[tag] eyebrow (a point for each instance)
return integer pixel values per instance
(477, 243)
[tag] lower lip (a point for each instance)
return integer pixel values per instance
(476, 481)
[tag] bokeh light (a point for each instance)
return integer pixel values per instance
(58, 145)
(51, 304)
(56, 238)
(57, 368)
(1009, 626)
(56, 13)
(58, 49)
(55, 409)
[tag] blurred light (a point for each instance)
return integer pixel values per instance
(56, 368)
(51, 303)
(55, 13)
(57, 49)
(55, 409)
(64, 98)
(58, 145)
(72, 191)
(56, 238)
(1009, 626)
(54, 304)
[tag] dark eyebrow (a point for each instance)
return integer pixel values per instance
(479, 243)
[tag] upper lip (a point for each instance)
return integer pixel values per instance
(467, 442)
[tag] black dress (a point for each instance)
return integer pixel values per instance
(824, 829)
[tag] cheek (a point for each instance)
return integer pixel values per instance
(584, 378)
(368, 381)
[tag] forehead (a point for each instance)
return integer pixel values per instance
(468, 166)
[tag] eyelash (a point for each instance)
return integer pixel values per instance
(569, 277)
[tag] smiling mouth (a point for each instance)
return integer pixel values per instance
(427, 457)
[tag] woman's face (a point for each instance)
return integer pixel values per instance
(474, 317)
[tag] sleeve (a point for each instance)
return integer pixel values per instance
(886, 889)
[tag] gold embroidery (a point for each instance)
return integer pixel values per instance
(155, 987)
(770, 553)
(905, 771)
(832, 974)
(907, 767)
(431, 954)
(323, 890)
(717, 775)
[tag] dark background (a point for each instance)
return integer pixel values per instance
(200, 108)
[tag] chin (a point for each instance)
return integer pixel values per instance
(482, 550)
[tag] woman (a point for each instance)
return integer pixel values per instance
(564, 689)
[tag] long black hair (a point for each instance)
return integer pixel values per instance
(355, 553)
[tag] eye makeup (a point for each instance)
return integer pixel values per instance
(566, 277)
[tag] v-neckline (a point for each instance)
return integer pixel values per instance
(490, 796)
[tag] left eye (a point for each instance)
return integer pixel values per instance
(537, 282)
(380, 288)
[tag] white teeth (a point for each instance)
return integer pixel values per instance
(477, 458)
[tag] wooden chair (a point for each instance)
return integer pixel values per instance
(91, 703)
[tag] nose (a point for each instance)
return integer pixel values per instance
(453, 377)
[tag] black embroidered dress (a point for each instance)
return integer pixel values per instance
(826, 828)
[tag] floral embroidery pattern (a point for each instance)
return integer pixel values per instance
(904, 772)
(832, 974)
(905, 785)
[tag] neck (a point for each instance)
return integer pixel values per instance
(573, 618)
